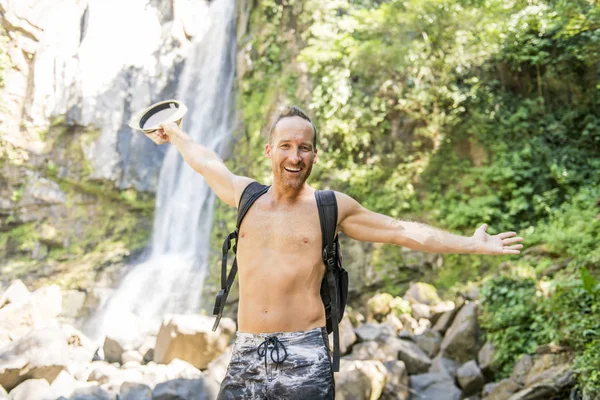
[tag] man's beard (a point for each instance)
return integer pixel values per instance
(294, 181)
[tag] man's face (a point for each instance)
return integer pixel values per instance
(292, 152)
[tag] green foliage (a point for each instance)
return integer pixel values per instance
(457, 112)
(513, 320)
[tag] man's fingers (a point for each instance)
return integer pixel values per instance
(511, 252)
(512, 240)
(514, 247)
(483, 227)
(505, 235)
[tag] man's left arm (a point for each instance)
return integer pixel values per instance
(359, 223)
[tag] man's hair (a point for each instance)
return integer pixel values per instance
(292, 111)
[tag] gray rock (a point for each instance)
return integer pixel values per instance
(435, 387)
(539, 391)
(548, 367)
(429, 341)
(444, 365)
(3, 394)
(470, 378)
(91, 393)
(444, 321)
(370, 350)
(40, 354)
(397, 384)
(360, 380)
(113, 349)
(487, 389)
(423, 293)
(503, 390)
(485, 357)
(461, 341)
(72, 303)
(31, 389)
(370, 331)
(415, 359)
(522, 369)
(135, 391)
(193, 389)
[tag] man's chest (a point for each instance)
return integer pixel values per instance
(294, 229)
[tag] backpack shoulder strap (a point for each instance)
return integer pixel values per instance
(250, 194)
(328, 214)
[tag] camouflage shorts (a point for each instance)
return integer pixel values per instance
(288, 365)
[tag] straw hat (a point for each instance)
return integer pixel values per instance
(149, 119)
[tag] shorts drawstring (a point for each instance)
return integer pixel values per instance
(276, 345)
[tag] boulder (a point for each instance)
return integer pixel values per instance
(3, 394)
(423, 293)
(179, 369)
(437, 310)
(548, 367)
(16, 293)
(197, 389)
(101, 372)
(378, 307)
(72, 303)
(420, 311)
(521, 369)
(190, 338)
(131, 355)
(485, 357)
(91, 392)
(470, 378)
(435, 386)
(358, 380)
(32, 389)
(370, 350)
(415, 359)
(135, 391)
(429, 341)
(503, 390)
(41, 354)
(47, 301)
(461, 341)
(217, 368)
(64, 385)
(397, 384)
(444, 365)
(370, 331)
(113, 349)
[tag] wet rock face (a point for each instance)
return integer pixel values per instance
(66, 63)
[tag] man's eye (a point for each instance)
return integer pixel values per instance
(285, 146)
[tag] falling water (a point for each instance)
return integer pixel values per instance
(171, 280)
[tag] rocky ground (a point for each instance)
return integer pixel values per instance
(414, 347)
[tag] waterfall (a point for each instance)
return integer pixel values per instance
(171, 279)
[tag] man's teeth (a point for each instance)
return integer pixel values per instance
(292, 169)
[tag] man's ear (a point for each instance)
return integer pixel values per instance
(268, 150)
(316, 157)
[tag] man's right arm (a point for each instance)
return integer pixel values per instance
(227, 186)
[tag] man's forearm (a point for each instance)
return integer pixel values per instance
(195, 155)
(422, 237)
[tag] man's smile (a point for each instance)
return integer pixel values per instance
(292, 170)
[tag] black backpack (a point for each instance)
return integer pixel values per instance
(334, 287)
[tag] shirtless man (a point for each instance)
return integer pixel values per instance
(281, 348)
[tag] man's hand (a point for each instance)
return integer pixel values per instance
(164, 133)
(502, 243)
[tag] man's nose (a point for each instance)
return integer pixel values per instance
(295, 157)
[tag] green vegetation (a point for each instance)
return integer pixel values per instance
(456, 112)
